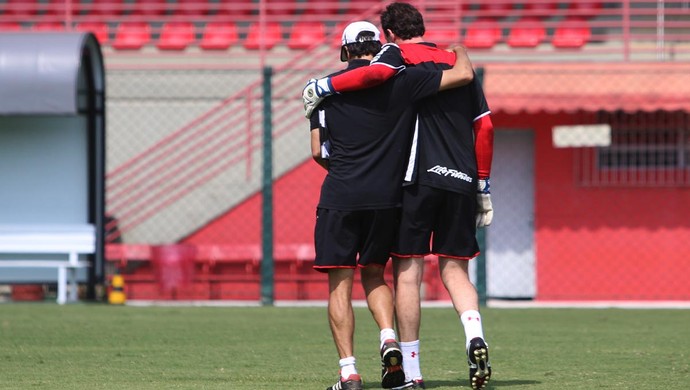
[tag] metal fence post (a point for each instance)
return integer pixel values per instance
(267, 266)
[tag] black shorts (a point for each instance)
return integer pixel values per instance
(444, 219)
(340, 236)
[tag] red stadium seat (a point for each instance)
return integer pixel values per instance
(192, 7)
(99, 29)
(104, 7)
(483, 34)
(526, 32)
(320, 7)
(356, 7)
(218, 36)
(149, 7)
(539, 10)
(281, 7)
(20, 8)
(587, 9)
(59, 7)
(10, 26)
(271, 36)
(495, 10)
(305, 34)
(48, 26)
(132, 35)
(176, 36)
(572, 33)
(235, 7)
(443, 36)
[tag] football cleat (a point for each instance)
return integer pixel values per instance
(352, 382)
(413, 384)
(392, 374)
(478, 359)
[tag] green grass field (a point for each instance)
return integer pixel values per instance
(93, 346)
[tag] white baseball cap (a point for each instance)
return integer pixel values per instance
(353, 34)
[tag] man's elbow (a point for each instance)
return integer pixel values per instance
(467, 77)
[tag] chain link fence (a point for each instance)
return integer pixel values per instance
(599, 216)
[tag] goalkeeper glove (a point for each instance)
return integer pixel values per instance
(314, 93)
(485, 212)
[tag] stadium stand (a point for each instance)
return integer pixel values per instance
(151, 8)
(104, 8)
(305, 34)
(60, 7)
(191, 8)
(588, 9)
(573, 32)
(529, 31)
(10, 26)
(132, 35)
(99, 29)
(176, 36)
(269, 38)
(219, 36)
(356, 7)
(281, 7)
(483, 34)
(236, 8)
(445, 34)
(320, 8)
(19, 8)
(48, 26)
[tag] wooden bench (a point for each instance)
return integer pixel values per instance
(37, 246)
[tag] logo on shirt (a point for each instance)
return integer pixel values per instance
(443, 171)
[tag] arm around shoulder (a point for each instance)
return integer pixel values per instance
(461, 73)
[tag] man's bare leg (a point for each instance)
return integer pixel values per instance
(456, 279)
(341, 317)
(408, 273)
(379, 296)
(380, 302)
(466, 302)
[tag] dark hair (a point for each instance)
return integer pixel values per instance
(360, 49)
(403, 19)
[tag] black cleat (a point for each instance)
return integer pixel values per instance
(478, 359)
(413, 384)
(392, 374)
(353, 382)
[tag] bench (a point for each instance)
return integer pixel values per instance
(40, 246)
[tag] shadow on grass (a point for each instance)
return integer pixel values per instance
(493, 383)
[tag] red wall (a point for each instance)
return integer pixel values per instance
(295, 196)
(603, 243)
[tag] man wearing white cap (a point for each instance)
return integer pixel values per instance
(361, 138)
(446, 196)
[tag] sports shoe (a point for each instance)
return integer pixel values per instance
(478, 359)
(392, 374)
(353, 382)
(413, 384)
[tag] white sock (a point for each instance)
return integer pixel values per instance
(347, 366)
(472, 322)
(386, 334)
(410, 351)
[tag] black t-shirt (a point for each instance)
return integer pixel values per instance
(443, 155)
(369, 133)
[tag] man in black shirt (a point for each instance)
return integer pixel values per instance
(365, 137)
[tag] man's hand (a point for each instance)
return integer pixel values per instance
(314, 93)
(485, 211)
